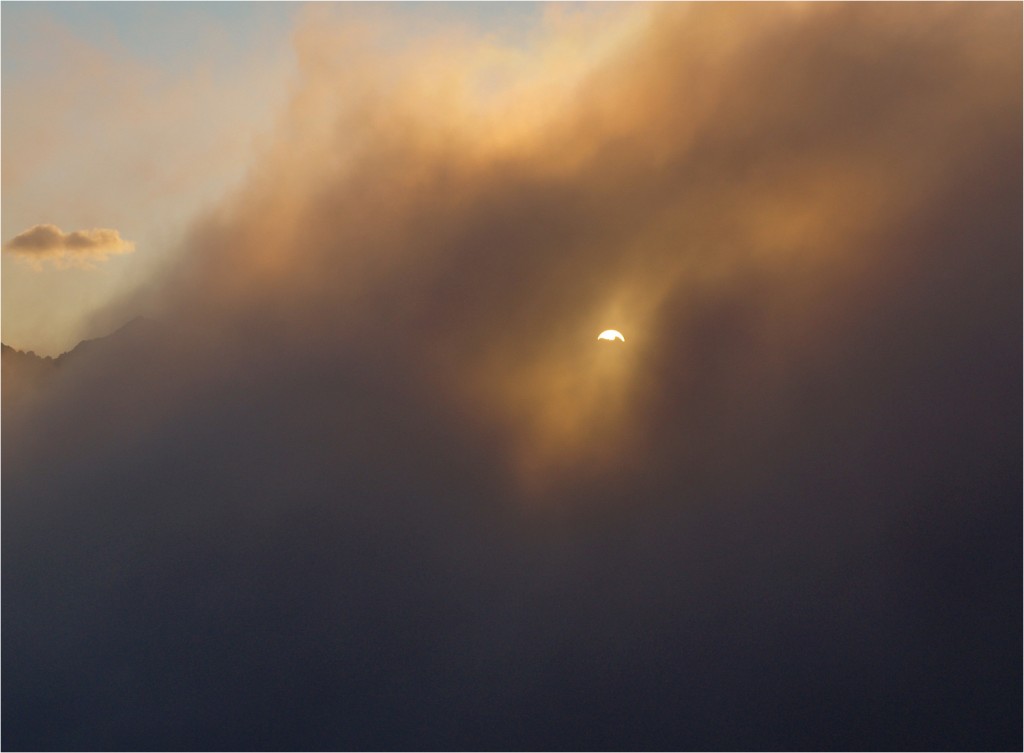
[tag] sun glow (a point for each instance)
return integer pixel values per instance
(611, 334)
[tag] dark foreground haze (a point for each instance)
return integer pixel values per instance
(364, 479)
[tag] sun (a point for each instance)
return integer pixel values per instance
(611, 334)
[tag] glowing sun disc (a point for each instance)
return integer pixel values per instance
(611, 334)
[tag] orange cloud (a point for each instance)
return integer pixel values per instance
(80, 248)
(721, 184)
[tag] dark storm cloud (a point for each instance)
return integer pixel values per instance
(370, 485)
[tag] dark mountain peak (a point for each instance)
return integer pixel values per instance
(24, 371)
(25, 355)
(138, 328)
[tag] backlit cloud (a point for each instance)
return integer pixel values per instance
(79, 248)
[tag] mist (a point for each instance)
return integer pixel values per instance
(363, 478)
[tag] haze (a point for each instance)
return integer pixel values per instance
(343, 465)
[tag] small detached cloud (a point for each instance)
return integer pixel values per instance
(80, 248)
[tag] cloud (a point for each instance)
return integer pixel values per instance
(125, 139)
(374, 486)
(80, 248)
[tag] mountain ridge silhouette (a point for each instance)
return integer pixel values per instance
(24, 371)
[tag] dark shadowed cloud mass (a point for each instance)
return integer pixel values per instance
(364, 479)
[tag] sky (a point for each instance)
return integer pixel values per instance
(362, 476)
(137, 117)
